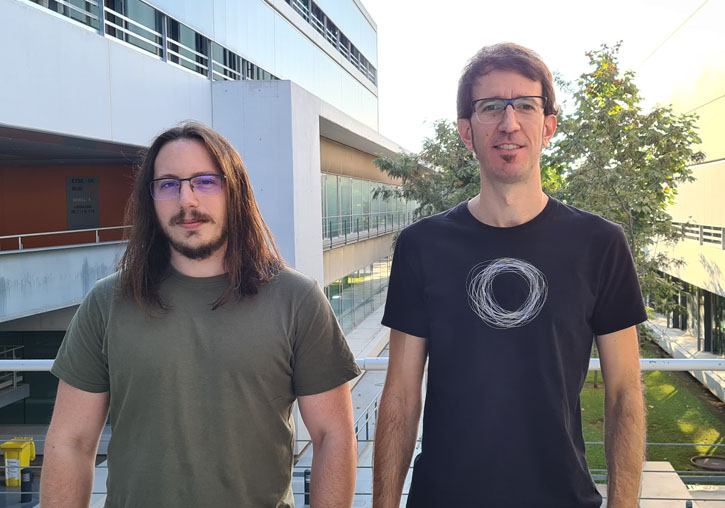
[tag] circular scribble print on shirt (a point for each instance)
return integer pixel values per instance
(479, 285)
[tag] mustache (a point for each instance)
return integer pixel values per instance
(193, 215)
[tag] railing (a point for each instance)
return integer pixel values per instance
(315, 17)
(370, 413)
(365, 417)
(96, 232)
(109, 22)
(344, 229)
(713, 235)
(12, 378)
(376, 363)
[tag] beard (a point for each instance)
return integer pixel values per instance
(198, 252)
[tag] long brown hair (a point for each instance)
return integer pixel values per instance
(251, 257)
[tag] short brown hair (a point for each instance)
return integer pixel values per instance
(251, 256)
(505, 56)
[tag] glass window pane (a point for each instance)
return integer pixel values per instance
(332, 210)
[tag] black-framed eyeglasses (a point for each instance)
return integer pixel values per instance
(491, 109)
(202, 185)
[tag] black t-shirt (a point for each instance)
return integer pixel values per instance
(509, 315)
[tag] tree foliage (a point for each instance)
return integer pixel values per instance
(442, 175)
(609, 157)
(625, 164)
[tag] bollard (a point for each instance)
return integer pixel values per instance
(26, 485)
(307, 487)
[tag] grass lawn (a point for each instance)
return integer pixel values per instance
(679, 410)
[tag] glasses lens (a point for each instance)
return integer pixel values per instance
(489, 110)
(206, 185)
(527, 105)
(166, 188)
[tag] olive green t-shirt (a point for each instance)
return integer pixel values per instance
(200, 399)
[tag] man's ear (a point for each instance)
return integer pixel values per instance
(464, 130)
(549, 129)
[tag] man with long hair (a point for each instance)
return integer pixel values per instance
(197, 349)
(503, 295)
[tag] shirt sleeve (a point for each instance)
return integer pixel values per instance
(619, 302)
(81, 361)
(405, 307)
(322, 358)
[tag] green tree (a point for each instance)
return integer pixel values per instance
(442, 175)
(625, 164)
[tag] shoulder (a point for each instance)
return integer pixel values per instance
(291, 282)
(105, 290)
(428, 226)
(586, 224)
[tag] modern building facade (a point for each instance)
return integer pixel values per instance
(687, 71)
(292, 84)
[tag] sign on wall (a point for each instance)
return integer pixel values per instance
(82, 201)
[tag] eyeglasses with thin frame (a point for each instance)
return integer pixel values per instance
(492, 109)
(202, 185)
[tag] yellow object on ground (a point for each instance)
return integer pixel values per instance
(18, 454)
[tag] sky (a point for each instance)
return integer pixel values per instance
(422, 46)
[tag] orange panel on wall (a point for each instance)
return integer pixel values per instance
(33, 200)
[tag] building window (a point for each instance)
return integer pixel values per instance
(136, 23)
(351, 213)
(187, 47)
(355, 296)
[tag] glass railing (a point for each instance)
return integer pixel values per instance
(344, 229)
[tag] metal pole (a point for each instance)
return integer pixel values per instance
(307, 487)
(102, 17)
(164, 42)
(26, 485)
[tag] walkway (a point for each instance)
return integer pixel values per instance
(681, 344)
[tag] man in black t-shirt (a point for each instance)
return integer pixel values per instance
(503, 295)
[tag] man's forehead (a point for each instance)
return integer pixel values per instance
(503, 83)
(183, 157)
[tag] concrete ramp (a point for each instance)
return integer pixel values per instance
(661, 488)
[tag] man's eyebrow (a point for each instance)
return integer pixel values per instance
(195, 174)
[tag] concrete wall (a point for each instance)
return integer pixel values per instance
(704, 265)
(345, 260)
(51, 321)
(341, 159)
(36, 281)
(274, 125)
(687, 71)
(68, 79)
(701, 201)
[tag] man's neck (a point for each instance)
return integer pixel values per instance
(209, 267)
(507, 207)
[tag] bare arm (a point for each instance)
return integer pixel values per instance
(70, 447)
(624, 421)
(398, 417)
(328, 417)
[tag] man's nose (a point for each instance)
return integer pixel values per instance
(509, 122)
(187, 196)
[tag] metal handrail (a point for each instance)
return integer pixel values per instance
(702, 233)
(68, 231)
(662, 364)
(365, 414)
(78, 9)
(135, 23)
(343, 229)
(192, 62)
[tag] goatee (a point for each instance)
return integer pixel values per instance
(201, 251)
